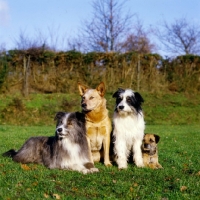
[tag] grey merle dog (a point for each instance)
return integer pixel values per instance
(68, 149)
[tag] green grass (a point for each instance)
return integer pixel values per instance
(174, 117)
(40, 109)
(178, 154)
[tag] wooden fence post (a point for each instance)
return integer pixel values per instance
(26, 76)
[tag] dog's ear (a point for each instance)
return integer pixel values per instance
(101, 89)
(157, 138)
(116, 94)
(82, 88)
(80, 116)
(138, 97)
(59, 115)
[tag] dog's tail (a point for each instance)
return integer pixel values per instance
(10, 153)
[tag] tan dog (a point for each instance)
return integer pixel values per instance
(98, 124)
(150, 151)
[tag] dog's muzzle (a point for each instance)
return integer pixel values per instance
(84, 107)
(147, 146)
(59, 132)
(120, 107)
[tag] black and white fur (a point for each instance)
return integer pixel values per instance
(129, 125)
(68, 149)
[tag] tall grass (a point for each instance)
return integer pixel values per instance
(53, 72)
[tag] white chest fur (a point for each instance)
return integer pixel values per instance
(73, 154)
(129, 127)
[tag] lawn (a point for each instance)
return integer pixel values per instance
(179, 149)
(40, 109)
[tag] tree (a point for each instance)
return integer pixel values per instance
(138, 40)
(107, 27)
(25, 42)
(180, 37)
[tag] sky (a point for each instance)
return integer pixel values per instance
(61, 19)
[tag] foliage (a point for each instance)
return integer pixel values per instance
(183, 73)
(51, 72)
(178, 180)
(3, 70)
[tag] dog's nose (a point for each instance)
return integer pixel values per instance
(147, 146)
(84, 105)
(59, 130)
(121, 107)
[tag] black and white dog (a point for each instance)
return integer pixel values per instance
(128, 132)
(68, 149)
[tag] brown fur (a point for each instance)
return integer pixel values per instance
(98, 124)
(150, 151)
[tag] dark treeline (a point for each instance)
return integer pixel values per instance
(45, 71)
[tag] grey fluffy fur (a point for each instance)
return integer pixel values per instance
(68, 149)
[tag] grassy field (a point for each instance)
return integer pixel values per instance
(174, 117)
(40, 109)
(178, 154)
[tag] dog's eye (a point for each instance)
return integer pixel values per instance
(91, 98)
(83, 98)
(69, 123)
(128, 99)
(151, 141)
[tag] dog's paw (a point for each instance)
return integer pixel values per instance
(122, 163)
(89, 171)
(93, 170)
(108, 164)
(159, 166)
(122, 168)
(85, 171)
(141, 165)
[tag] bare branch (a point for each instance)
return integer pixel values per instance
(180, 37)
(108, 25)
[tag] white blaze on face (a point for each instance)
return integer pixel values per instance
(62, 129)
(124, 102)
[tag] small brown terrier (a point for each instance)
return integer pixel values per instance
(150, 151)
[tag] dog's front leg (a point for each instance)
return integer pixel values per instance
(137, 154)
(106, 147)
(121, 152)
(90, 150)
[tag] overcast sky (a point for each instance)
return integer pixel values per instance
(63, 18)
